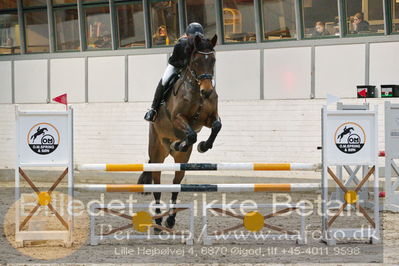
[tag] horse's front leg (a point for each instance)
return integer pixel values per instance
(203, 146)
(181, 124)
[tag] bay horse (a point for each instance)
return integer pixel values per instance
(192, 104)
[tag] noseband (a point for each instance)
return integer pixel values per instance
(199, 78)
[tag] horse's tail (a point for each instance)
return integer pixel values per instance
(145, 178)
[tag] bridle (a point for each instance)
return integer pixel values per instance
(199, 78)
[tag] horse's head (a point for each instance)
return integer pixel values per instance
(202, 63)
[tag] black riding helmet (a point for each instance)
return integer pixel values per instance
(194, 29)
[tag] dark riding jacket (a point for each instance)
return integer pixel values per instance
(181, 54)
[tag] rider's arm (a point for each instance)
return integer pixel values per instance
(179, 58)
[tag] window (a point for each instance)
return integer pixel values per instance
(203, 12)
(131, 24)
(66, 25)
(164, 22)
(36, 29)
(279, 19)
(66, 29)
(365, 17)
(320, 18)
(98, 28)
(36, 26)
(62, 2)
(9, 34)
(395, 15)
(9, 28)
(7, 4)
(34, 3)
(238, 20)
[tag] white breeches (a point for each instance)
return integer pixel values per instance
(169, 71)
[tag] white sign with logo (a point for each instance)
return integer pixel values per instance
(43, 137)
(350, 136)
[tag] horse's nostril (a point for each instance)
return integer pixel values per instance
(205, 93)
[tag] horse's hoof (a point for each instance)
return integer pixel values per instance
(201, 147)
(157, 231)
(174, 146)
(170, 222)
(192, 138)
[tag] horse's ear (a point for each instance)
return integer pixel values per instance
(214, 40)
(197, 41)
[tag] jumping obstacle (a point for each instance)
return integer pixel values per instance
(336, 153)
(154, 167)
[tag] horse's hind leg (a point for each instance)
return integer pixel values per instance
(157, 153)
(180, 157)
(157, 196)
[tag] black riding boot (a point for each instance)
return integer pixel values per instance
(151, 115)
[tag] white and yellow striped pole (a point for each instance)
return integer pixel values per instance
(293, 187)
(155, 167)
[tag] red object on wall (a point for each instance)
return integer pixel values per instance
(363, 93)
(62, 99)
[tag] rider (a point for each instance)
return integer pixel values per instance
(177, 62)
